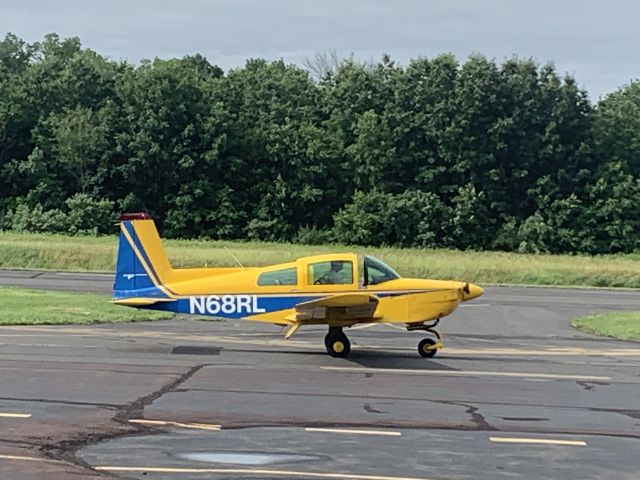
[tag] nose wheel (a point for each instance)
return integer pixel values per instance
(428, 347)
(337, 343)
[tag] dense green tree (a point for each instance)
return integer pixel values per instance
(56, 77)
(613, 213)
(418, 219)
(168, 142)
(617, 126)
(282, 164)
(478, 154)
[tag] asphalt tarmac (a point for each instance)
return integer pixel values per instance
(516, 393)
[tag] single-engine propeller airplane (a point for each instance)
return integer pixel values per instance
(337, 290)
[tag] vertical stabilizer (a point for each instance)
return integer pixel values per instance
(142, 266)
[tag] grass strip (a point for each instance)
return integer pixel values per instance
(622, 325)
(60, 252)
(19, 306)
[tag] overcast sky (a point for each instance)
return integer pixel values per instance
(598, 41)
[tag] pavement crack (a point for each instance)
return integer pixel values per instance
(635, 414)
(66, 450)
(369, 409)
(136, 408)
(476, 418)
(588, 386)
(19, 443)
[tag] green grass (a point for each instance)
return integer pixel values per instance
(20, 306)
(623, 325)
(59, 252)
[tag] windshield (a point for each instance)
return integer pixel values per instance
(376, 271)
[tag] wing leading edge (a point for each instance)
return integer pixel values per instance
(141, 301)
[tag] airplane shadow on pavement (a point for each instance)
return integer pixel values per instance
(362, 358)
(382, 359)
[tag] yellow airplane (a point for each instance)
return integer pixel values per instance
(337, 290)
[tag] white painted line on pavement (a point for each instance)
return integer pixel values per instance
(248, 471)
(539, 441)
(466, 373)
(27, 459)
(355, 432)
(14, 415)
(45, 345)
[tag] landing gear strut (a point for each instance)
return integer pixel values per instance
(337, 343)
(427, 347)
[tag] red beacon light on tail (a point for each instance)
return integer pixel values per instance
(135, 216)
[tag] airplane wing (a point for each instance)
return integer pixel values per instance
(341, 307)
(336, 309)
(141, 301)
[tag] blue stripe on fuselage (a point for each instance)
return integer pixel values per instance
(232, 306)
(245, 305)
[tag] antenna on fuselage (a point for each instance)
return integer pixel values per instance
(234, 257)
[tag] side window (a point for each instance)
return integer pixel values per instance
(331, 273)
(286, 276)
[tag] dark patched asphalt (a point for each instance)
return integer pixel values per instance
(517, 393)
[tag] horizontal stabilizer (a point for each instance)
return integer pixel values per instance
(141, 301)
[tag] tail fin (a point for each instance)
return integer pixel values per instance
(142, 266)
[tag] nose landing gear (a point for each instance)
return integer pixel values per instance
(337, 343)
(428, 347)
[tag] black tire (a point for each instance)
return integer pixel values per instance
(337, 344)
(423, 348)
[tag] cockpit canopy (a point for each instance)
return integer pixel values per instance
(376, 271)
(357, 271)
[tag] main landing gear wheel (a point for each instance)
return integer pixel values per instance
(337, 343)
(427, 348)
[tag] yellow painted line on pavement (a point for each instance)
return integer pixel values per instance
(18, 335)
(165, 423)
(14, 415)
(466, 373)
(546, 351)
(277, 340)
(45, 345)
(248, 471)
(389, 433)
(539, 441)
(530, 352)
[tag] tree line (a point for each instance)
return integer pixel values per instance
(437, 153)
